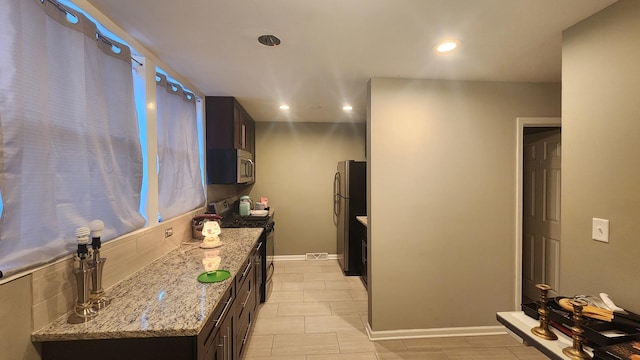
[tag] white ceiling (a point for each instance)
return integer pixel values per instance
(330, 48)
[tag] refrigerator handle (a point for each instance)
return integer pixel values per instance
(336, 180)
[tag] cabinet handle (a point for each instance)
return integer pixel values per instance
(273, 269)
(224, 347)
(227, 305)
(246, 270)
(259, 246)
(246, 300)
(246, 335)
(227, 348)
(249, 167)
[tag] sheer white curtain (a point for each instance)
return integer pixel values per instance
(69, 147)
(179, 178)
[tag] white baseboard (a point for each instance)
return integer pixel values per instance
(433, 333)
(300, 257)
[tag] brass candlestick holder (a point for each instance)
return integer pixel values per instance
(576, 351)
(543, 330)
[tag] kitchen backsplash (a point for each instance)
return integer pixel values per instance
(53, 287)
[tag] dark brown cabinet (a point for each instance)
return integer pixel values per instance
(245, 305)
(230, 135)
(221, 347)
(215, 338)
(229, 126)
(244, 129)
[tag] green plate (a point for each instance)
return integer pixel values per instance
(214, 276)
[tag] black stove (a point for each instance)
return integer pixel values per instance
(264, 260)
(234, 220)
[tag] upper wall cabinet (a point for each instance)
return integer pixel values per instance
(229, 126)
(230, 142)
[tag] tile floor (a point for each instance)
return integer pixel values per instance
(317, 313)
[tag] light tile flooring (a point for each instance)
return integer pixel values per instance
(317, 313)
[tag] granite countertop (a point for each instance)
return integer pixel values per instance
(363, 220)
(162, 299)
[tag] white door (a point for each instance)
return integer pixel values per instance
(541, 212)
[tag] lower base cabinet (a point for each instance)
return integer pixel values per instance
(222, 345)
(215, 340)
(223, 337)
(245, 307)
(167, 348)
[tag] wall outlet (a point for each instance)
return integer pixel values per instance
(168, 232)
(600, 230)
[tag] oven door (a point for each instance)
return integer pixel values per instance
(246, 167)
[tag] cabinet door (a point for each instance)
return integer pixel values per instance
(206, 339)
(229, 126)
(239, 127)
(244, 330)
(244, 127)
(245, 310)
(222, 347)
(220, 129)
(250, 135)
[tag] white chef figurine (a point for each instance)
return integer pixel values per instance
(210, 231)
(211, 260)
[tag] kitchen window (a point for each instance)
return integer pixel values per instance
(71, 146)
(180, 187)
(69, 149)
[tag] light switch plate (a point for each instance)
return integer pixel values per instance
(600, 230)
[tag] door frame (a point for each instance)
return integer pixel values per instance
(523, 122)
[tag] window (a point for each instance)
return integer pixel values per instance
(70, 152)
(180, 186)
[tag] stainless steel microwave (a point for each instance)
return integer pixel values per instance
(246, 167)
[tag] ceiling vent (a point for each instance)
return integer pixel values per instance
(269, 40)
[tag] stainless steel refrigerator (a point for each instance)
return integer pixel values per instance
(349, 201)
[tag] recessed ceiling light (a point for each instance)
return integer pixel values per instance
(347, 108)
(446, 46)
(284, 107)
(269, 40)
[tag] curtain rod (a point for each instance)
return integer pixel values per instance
(57, 5)
(104, 39)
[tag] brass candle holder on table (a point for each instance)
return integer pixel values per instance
(543, 330)
(576, 351)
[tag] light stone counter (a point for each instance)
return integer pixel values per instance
(164, 298)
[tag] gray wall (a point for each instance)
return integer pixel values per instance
(601, 160)
(295, 165)
(442, 198)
